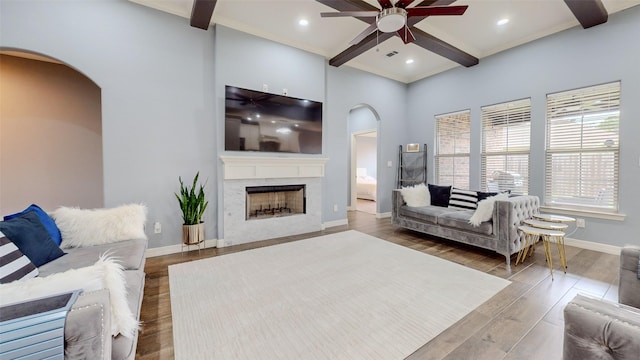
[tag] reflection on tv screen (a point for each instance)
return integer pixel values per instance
(258, 121)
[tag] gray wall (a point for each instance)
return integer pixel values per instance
(346, 89)
(51, 136)
(162, 98)
(156, 75)
(250, 62)
(571, 59)
(247, 61)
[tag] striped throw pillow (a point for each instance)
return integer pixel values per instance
(463, 199)
(14, 265)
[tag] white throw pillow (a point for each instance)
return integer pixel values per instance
(416, 196)
(106, 273)
(484, 212)
(87, 227)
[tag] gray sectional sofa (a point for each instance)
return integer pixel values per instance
(499, 234)
(600, 329)
(102, 254)
(87, 331)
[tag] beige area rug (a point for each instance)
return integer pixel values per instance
(342, 296)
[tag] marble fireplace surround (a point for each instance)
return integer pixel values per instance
(242, 171)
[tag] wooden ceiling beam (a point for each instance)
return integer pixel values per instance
(201, 13)
(354, 50)
(588, 12)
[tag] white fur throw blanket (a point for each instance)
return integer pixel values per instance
(87, 227)
(106, 273)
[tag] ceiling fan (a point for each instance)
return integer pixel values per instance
(393, 17)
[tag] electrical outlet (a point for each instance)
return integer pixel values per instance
(335, 207)
(265, 87)
(389, 163)
(285, 92)
(580, 223)
(157, 228)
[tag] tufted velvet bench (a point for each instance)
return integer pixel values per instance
(599, 329)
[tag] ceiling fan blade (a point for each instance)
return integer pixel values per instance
(350, 13)
(406, 35)
(403, 3)
(373, 27)
(385, 3)
(437, 10)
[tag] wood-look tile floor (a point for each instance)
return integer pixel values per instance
(523, 321)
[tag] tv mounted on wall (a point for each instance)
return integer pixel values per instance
(259, 121)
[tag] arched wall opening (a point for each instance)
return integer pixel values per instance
(364, 156)
(50, 134)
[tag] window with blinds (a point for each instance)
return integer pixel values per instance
(506, 138)
(453, 138)
(582, 148)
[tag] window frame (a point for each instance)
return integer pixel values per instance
(456, 116)
(603, 98)
(510, 114)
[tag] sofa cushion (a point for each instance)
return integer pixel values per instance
(460, 221)
(31, 237)
(14, 265)
(105, 273)
(439, 195)
(129, 254)
(426, 213)
(45, 219)
(88, 227)
(463, 199)
(123, 347)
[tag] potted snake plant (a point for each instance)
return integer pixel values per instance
(193, 204)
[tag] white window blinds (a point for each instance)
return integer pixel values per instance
(453, 136)
(506, 137)
(582, 148)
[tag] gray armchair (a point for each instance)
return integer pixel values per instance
(598, 329)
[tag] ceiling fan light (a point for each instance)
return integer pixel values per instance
(392, 19)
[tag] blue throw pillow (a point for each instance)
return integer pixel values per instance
(29, 235)
(45, 219)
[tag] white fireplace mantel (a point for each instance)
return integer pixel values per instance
(254, 167)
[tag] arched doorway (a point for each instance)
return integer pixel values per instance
(51, 134)
(363, 135)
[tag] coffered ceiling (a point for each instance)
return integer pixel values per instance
(475, 33)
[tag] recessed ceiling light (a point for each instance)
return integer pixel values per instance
(502, 22)
(273, 121)
(303, 22)
(409, 61)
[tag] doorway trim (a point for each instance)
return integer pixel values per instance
(354, 161)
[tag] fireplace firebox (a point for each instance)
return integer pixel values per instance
(275, 201)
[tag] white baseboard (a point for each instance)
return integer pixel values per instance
(383, 215)
(335, 223)
(590, 245)
(176, 248)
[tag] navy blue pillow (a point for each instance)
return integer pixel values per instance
(29, 235)
(45, 219)
(483, 195)
(440, 195)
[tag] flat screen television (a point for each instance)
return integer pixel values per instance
(259, 121)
